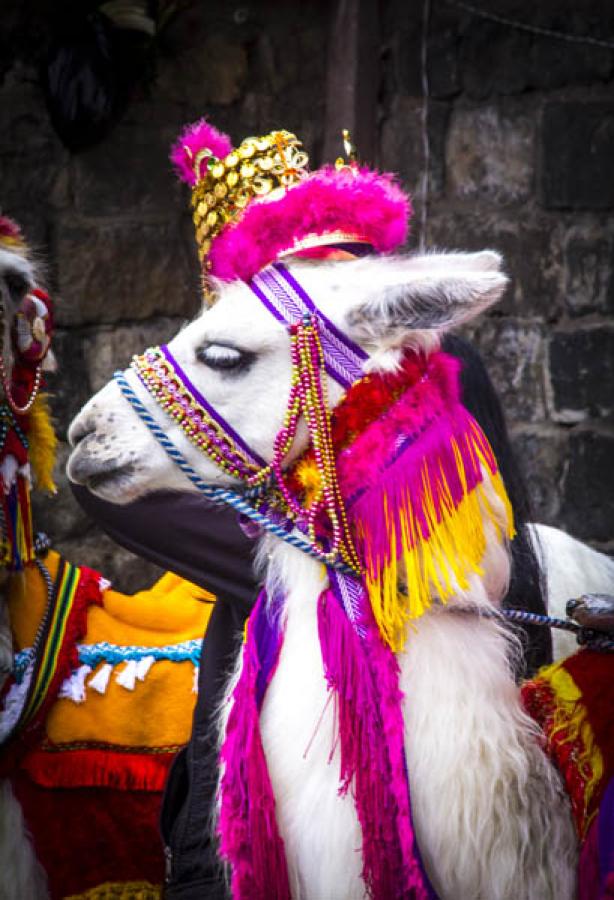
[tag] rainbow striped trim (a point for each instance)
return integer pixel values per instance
(64, 593)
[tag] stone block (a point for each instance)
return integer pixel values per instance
(69, 387)
(514, 355)
(33, 162)
(581, 374)
(577, 148)
(125, 270)
(212, 72)
(401, 143)
(588, 269)
(490, 155)
(587, 508)
(540, 454)
(128, 172)
(497, 59)
(110, 348)
(402, 28)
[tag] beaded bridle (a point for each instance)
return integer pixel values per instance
(317, 347)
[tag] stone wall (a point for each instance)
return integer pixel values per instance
(521, 130)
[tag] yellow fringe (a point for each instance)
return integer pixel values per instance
(43, 444)
(310, 480)
(122, 890)
(571, 721)
(437, 565)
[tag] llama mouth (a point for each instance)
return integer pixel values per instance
(96, 474)
(105, 479)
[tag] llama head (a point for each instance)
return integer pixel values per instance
(17, 278)
(238, 357)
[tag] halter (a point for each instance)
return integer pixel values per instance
(317, 346)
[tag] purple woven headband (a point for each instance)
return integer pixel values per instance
(286, 299)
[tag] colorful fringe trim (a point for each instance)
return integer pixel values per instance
(362, 673)
(572, 702)
(419, 506)
(74, 591)
(249, 838)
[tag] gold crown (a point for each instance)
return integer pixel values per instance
(262, 167)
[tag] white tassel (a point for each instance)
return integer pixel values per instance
(100, 681)
(127, 677)
(8, 471)
(26, 473)
(195, 680)
(104, 584)
(143, 666)
(73, 688)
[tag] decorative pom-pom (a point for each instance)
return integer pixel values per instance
(189, 155)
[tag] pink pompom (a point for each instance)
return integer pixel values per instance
(194, 139)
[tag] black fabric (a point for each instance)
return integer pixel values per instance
(187, 535)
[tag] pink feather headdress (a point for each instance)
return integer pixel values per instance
(258, 202)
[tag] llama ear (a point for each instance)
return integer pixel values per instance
(428, 293)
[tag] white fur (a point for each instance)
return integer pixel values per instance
(571, 569)
(489, 810)
(21, 875)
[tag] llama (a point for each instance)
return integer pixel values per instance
(37, 746)
(490, 816)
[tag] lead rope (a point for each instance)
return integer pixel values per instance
(591, 638)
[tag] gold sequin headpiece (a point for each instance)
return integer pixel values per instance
(259, 201)
(260, 167)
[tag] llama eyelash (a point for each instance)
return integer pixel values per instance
(225, 358)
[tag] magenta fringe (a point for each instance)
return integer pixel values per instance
(249, 838)
(422, 474)
(363, 673)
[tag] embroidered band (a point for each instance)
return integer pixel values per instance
(283, 296)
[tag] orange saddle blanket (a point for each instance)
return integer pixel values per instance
(101, 701)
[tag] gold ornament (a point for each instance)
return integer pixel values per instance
(258, 167)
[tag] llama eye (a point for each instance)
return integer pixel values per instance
(223, 357)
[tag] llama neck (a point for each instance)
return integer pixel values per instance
(284, 568)
(489, 811)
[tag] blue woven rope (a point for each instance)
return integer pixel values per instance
(93, 654)
(586, 637)
(218, 494)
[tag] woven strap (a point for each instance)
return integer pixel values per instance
(285, 298)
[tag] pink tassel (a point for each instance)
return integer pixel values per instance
(185, 153)
(363, 674)
(249, 838)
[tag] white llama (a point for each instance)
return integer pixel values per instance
(490, 815)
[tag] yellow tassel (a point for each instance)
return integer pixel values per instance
(571, 721)
(310, 480)
(43, 444)
(436, 565)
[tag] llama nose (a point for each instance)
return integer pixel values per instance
(80, 428)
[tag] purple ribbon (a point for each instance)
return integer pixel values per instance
(251, 455)
(286, 299)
